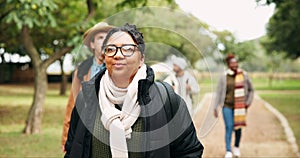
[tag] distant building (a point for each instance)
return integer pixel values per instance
(24, 73)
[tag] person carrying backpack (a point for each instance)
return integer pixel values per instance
(122, 112)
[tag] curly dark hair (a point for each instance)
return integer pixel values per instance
(229, 57)
(132, 31)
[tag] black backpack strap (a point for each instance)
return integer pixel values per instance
(171, 104)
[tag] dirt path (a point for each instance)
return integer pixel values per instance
(263, 137)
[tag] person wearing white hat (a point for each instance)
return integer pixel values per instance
(92, 39)
(188, 85)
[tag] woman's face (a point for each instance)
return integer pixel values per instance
(233, 64)
(120, 67)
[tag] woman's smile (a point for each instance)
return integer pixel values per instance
(119, 65)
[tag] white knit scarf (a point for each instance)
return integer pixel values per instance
(117, 122)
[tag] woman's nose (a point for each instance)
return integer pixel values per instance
(119, 54)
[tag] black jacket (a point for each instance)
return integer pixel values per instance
(162, 137)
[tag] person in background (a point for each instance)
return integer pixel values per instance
(235, 94)
(187, 84)
(121, 112)
(92, 39)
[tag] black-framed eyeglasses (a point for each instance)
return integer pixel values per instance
(127, 50)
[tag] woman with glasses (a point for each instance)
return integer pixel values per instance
(122, 112)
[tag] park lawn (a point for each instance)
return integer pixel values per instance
(284, 95)
(288, 103)
(15, 101)
(288, 84)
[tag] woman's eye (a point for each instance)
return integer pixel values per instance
(128, 48)
(110, 49)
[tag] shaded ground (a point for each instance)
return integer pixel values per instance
(263, 137)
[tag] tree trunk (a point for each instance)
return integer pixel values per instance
(271, 77)
(63, 83)
(2, 58)
(34, 118)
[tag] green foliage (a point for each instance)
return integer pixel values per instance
(283, 29)
(124, 4)
(59, 20)
(32, 13)
(268, 2)
(227, 43)
(49, 21)
(245, 50)
(159, 45)
(272, 62)
(80, 53)
(171, 31)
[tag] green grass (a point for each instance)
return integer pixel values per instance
(288, 103)
(264, 84)
(284, 95)
(15, 101)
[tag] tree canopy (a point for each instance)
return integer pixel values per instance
(283, 30)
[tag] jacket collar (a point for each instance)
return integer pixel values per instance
(91, 88)
(143, 88)
(231, 73)
(90, 91)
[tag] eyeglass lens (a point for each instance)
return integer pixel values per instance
(126, 50)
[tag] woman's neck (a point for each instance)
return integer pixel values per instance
(121, 82)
